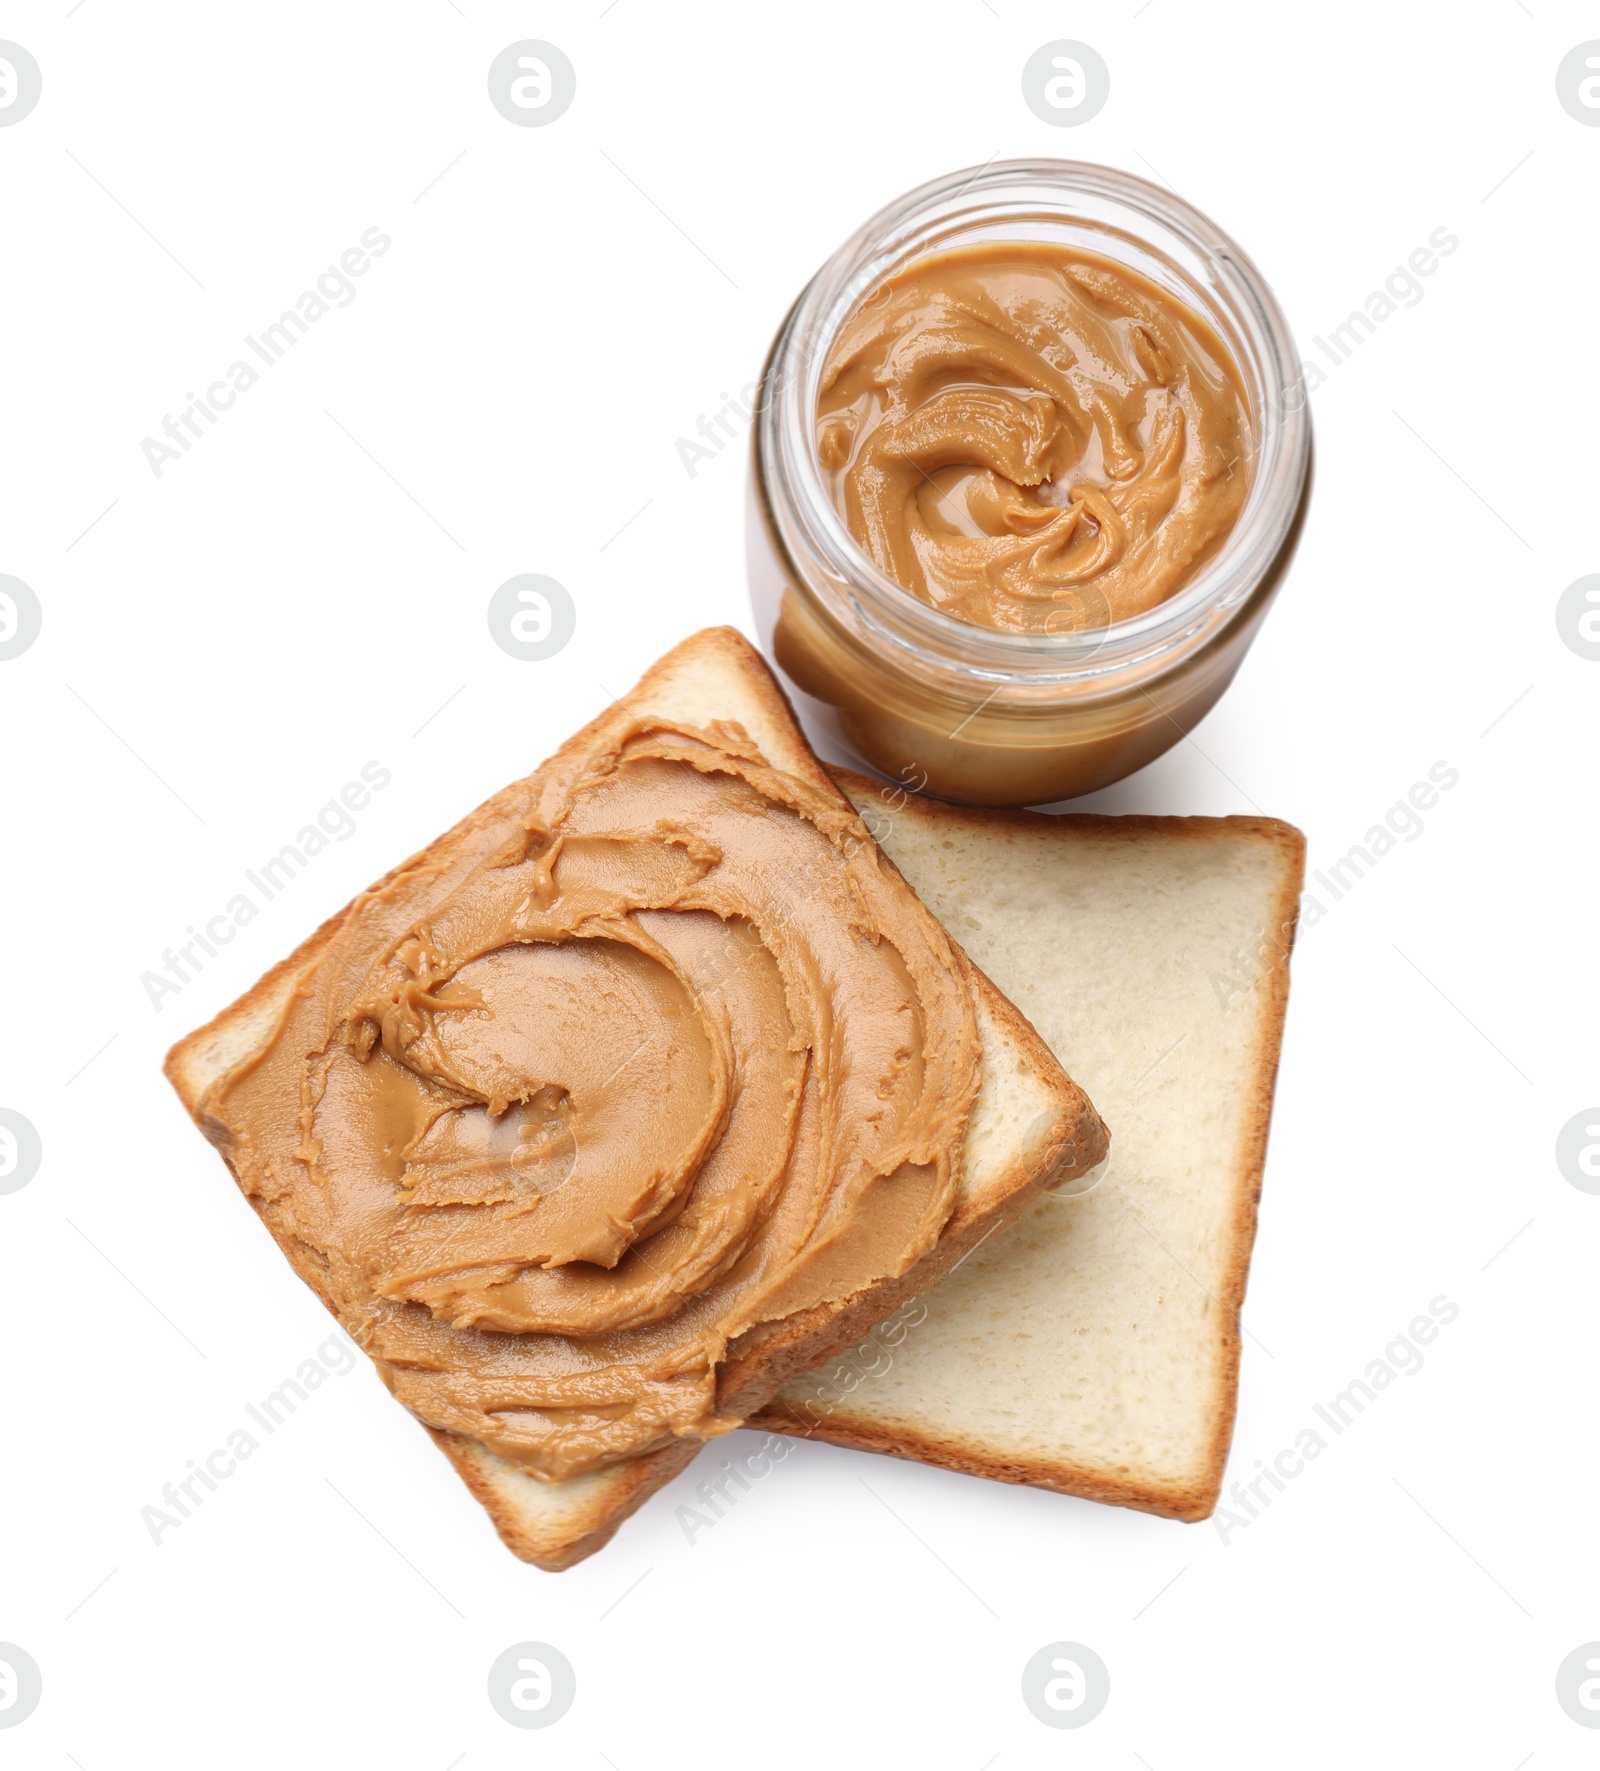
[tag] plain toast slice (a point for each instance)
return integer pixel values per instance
(1094, 1348)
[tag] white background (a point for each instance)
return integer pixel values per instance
(229, 643)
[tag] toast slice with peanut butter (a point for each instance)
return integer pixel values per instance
(1094, 1348)
(646, 1088)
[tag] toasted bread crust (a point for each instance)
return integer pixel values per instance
(1060, 1475)
(627, 1488)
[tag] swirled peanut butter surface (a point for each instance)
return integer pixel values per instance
(1033, 438)
(650, 1051)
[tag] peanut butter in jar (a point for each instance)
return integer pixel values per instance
(1030, 462)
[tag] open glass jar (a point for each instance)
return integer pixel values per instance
(972, 713)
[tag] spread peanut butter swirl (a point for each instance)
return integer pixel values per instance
(1032, 438)
(652, 1051)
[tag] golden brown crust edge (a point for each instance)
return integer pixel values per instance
(630, 1486)
(1059, 1475)
(1188, 1502)
(1125, 826)
(1251, 1159)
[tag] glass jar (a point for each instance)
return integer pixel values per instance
(971, 713)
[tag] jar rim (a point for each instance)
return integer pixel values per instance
(1128, 216)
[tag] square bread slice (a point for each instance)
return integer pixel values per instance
(1030, 1127)
(1094, 1347)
